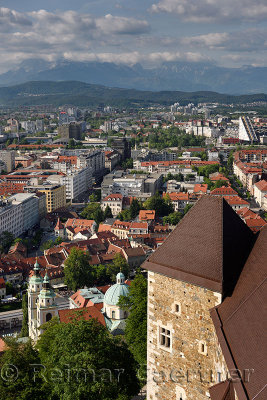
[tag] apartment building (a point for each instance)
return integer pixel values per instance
(55, 196)
(11, 219)
(19, 213)
(29, 207)
(8, 157)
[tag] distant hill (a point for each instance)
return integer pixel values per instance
(182, 76)
(85, 94)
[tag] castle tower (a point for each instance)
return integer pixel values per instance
(195, 268)
(46, 305)
(35, 286)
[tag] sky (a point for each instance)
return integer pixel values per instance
(229, 33)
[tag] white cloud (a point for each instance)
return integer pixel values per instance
(10, 19)
(247, 40)
(122, 25)
(134, 57)
(214, 10)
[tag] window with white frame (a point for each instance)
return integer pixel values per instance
(164, 337)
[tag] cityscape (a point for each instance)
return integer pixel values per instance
(133, 202)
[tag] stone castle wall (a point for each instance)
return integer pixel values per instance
(194, 360)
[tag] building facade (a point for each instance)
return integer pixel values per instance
(198, 265)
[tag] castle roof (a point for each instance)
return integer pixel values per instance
(239, 323)
(208, 247)
(222, 391)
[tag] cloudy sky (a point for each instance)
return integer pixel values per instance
(225, 32)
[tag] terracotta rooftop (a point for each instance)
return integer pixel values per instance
(113, 197)
(145, 215)
(200, 187)
(262, 185)
(224, 191)
(87, 313)
(208, 247)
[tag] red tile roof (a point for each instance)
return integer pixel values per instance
(145, 215)
(87, 313)
(200, 188)
(175, 196)
(139, 225)
(235, 200)
(223, 191)
(113, 197)
(2, 283)
(262, 185)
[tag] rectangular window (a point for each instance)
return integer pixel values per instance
(164, 337)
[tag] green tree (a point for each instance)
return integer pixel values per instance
(136, 323)
(124, 215)
(100, 274)
(127, 164)
(10, 289)
(93, 198)
(6, 240)
(93, 211)
(107, 213)
(119, 264)
(47, 245)
(77, 270)
(24, 330)
(25, 385)
(187, 208)
(173, 218)
(58, 240)
(94, 359)
(162, 206)
(134, 208)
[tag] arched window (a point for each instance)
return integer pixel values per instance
(48, 317)
(113, 314)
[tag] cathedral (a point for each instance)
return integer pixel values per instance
(43, 304)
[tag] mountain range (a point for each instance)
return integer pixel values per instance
(85, 94)
(178, 76)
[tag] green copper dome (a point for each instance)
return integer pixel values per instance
(47, 291)
(36, 278)
(115, 291)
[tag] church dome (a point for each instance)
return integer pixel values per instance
(115, 291)
(36, 278)
(47, 291)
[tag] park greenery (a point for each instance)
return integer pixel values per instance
(173, 138)
(132, 212)
(78, 360)
(50, 243)
(94, 212)
(6, 241)
(162, 206)
(80, 272)
(173, 218)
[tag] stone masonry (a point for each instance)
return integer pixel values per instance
(193, 362)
